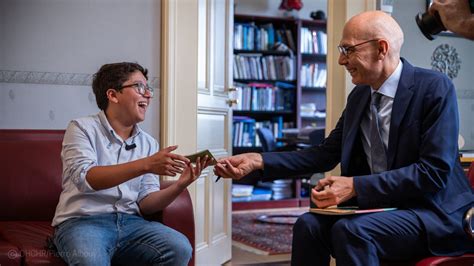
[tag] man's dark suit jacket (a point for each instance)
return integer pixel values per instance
(424, 174)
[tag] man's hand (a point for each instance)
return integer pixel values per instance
(332, 191)
(166, 163)
(238, 166)
(192, 173)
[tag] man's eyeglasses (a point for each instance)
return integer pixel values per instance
(140, 88)
(347, 50)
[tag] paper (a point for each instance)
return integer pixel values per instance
(334, 210)
(193, 157)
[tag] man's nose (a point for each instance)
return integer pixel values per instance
(342, 60)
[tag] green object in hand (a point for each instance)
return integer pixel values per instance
(193, 157)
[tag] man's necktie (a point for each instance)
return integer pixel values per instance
(377, 148)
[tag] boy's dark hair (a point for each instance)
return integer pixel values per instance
(112, 76)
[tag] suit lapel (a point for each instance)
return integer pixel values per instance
(353, 117)
(400, 106)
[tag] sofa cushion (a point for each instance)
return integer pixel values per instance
(9, 254)
(30, 237)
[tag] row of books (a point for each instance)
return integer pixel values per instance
(309, 110)
(313, 75)
(313, 41)
(249, 36)
(264, 97)
(276, 190)
(258, 67)
(244, 130)
(241, 193)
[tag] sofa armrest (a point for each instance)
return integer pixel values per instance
(179, 215)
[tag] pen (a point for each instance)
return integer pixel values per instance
(219, 177)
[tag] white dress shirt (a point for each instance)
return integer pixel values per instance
(388, 91)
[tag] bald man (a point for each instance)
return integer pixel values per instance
(396, 142)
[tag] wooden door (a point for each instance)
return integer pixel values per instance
(196, 74)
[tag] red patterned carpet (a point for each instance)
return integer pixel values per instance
(264, 238)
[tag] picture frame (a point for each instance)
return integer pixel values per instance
(443, 33)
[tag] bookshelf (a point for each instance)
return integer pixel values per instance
(274, 82)
(311, 60)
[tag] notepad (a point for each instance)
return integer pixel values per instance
(193, 157)
(334, 210)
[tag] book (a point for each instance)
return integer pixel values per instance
(334, 210)
(239, 190)
(243, 193)
(193, 157)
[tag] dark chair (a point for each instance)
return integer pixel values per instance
(268, 141)
(269, 144)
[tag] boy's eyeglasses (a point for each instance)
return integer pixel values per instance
(140, 88)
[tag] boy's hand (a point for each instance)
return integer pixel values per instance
(192, 173)
(166, 163)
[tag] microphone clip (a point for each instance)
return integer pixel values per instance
(130, 147)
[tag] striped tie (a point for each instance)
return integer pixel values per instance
(377, 149)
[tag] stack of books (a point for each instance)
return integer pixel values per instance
(241, 193)
(282, 189)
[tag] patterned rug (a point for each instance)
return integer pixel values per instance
(264, 233)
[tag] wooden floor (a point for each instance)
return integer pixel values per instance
(243, 257)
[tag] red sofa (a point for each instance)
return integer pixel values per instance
(30, 184)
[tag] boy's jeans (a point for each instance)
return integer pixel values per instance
(119, 238)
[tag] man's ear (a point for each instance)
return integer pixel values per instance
(112, 95)
(383, 48)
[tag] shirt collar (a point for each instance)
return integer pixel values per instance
(390, 85)
(105, 123)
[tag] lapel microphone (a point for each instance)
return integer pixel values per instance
(130, 147)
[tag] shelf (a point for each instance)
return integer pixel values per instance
(314, 23)
(239, 150)
(313, 57)
(266, 115)
(271, 113)
(314, 89)
(262, 19)
(312, 118)
(262, 52)
(263, 81)
(270, 204)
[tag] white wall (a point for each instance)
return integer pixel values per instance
(49, 50)
(270, 8)
(419, 50)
